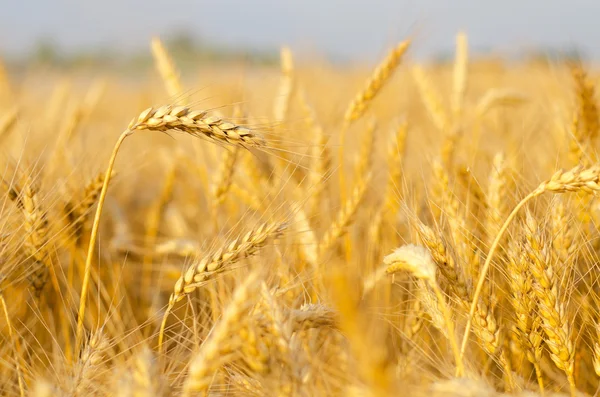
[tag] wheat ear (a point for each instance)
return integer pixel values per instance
(199, 272)
(361, 101)
(166, 68)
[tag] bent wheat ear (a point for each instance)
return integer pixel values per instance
(197, 123)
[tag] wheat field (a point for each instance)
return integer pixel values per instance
(407, 228)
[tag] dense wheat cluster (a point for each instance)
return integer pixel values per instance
(307, 230)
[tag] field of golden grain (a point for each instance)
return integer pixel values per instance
(310, 230)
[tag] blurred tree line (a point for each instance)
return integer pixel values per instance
(186, 49)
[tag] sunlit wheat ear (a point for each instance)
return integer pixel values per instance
(363, 99)
(418, 261)
(35, 226)
(165, 118)
(196, 123)
(197, 274)
(376, 81)
(577, 179)
(344, 217)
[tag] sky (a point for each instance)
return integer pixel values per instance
(352, 29)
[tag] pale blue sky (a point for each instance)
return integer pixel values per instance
(349, 28)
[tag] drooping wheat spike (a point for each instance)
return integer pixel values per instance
(577, 178)
(196, 123)
(200, 271)
(557, 327)
(377, 80)
(344, 217)
(285, 90)
(167, 69)
(222, 339)
(225, 175)
(460, 74)
(431, 98)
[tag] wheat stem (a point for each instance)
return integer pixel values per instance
(93, 237)
(14, 344)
